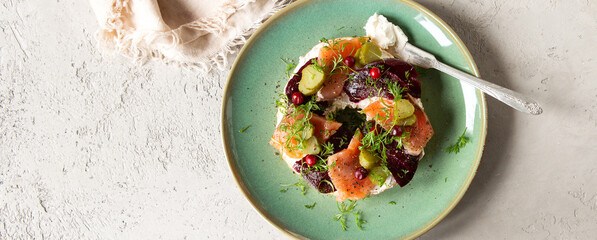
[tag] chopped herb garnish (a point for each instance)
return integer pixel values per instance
(284, 190)
(311, 206)
(392, 202)
(327, 149)
(244, 129)
(376, 143)
(445, 179)
(460, 143)
(296, 123)
(395, 89)
(337, 63)
(298, 184)
(289, 66)
(348, 209)
(328, 182)
(339, 29)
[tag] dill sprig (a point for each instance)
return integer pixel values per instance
(299, 117)
(395, 89)
(376, 142)
(289, 66)
(244, 129)
(337, 65)
(298, 184)
(310, 206)
(348, 209)
(327, 149)
(460, 143)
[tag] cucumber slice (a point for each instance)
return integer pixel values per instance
(307, 131)
(367, 159)
(403, 109)
(311, 146)
(409, 121)
(378, 175)
(369, 52)
(311, 81)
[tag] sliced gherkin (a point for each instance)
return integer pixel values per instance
(311, 146)
(311, 81)
(367, 159)
(369, 52)
(409, 121)
(403, 109)
(378, 175)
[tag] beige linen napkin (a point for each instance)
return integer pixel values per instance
(198, 34)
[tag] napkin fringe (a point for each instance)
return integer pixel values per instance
(117, 37)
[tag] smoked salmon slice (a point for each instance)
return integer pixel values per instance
(420, 132)
(322, 130)
(336, 49)
(381, 112)
(344, 164)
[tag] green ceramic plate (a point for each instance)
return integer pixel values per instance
(258, 77)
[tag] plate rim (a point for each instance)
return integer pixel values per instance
(482, 104)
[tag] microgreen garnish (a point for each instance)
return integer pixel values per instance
(328, 182)
(348, 209)
(317, 65)
(337, 63)
(395, 89)
(376, 143)
(244, 129)
(392, 202)
(460, 143)
(320, 166)
(339, 29)
(296, 122)
(310, 206)
(282, 103)
(298, 184)
(289, 66)
(327, 149)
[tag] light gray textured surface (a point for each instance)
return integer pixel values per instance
(98, 147)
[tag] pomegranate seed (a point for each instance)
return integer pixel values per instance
(349, 61)
(375, 73)
(361, 173)
(297, 98)
(396, 131)
(310, 159)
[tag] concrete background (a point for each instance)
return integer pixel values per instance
(98, 147)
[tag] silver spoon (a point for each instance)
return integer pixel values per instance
(513, 99)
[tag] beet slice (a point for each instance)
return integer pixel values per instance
(293, 84)
(402, 166)
(319, 180)
(361, 85)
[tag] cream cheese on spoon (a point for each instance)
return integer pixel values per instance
(386, 34)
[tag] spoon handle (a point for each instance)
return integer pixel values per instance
(420, 57)
(511, 98)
